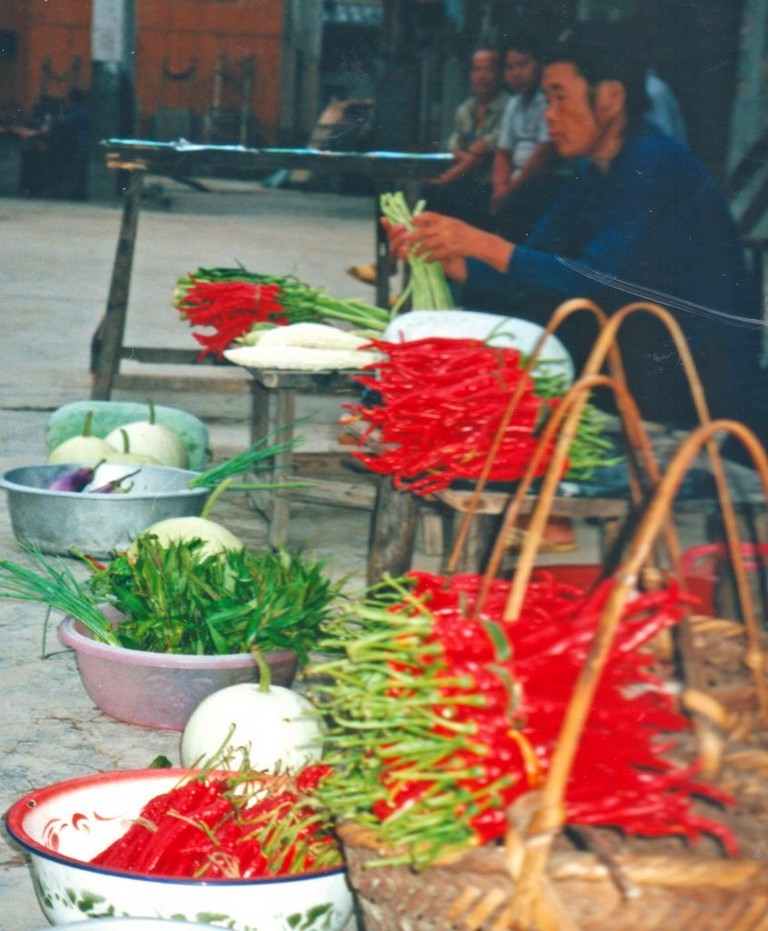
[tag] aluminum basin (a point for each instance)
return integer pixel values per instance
(59, 521)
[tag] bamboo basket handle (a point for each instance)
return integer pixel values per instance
(561, 313)
(605, 344)
(565, 421)
(701, 406)
(550, 815)
(639, 444)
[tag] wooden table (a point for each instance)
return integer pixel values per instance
(184, 161)
(396, 515)
(274, 413)
(396, 518)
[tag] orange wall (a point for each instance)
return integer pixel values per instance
(176, 31)
(53, 33)
(200, 32)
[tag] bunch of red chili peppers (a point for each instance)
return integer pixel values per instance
(230, 309)
(437, 406)
(440, 720)
(232, 301)
(229, 826)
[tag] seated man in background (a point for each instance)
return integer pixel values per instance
(464, 190)
(640, 219)
(526, 169)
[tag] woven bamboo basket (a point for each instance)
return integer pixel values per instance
(547, 875)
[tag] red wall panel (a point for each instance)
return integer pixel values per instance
(54, 38)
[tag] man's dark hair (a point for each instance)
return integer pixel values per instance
(487, 47)
(606, 52)
(526, 42)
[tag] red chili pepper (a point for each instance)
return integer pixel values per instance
(231, 309)
(441, 403)
(489, 701)
(216, 830)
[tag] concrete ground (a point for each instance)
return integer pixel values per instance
(55, 267)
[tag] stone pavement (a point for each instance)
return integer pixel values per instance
(55, 265)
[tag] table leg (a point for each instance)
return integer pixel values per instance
(273, 412)
(477, 547)
(611, 529)
(382, 257)
(282, 425)
(393, 532)
(107, 341)
(259, 411)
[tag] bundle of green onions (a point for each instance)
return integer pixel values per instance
(427, 287)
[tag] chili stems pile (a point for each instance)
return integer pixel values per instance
(439, 720)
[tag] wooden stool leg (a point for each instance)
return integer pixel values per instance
(273, 411)
(285, 414)
(107, 341)
(433, 534)
(393, 532)
(477, 546)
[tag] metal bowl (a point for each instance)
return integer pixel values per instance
(96, 524)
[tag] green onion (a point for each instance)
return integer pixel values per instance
(427, 285)
(56, 587)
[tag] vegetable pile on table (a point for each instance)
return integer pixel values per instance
(433, 408)
(232, 302)
(439, 720)
(236, 303)
(235, 825)
(302, 347)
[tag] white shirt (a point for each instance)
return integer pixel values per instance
(664, 111)
(523, 128)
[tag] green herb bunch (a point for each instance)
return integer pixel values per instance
(175, 602)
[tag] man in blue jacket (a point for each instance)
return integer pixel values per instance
(640, 219)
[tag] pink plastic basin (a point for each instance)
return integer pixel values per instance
(161, 690)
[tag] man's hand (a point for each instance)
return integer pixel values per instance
(404, 242)
(449, 241)
(465, 161)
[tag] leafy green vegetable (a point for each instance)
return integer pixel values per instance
(174, 602)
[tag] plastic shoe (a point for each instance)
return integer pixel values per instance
(364, 273)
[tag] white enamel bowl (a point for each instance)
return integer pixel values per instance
(66, 824)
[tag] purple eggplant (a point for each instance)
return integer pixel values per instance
(74, 481)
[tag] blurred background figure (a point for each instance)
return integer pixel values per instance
(464, 190)
(526, 169)
(664, 110)
(54, 161)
